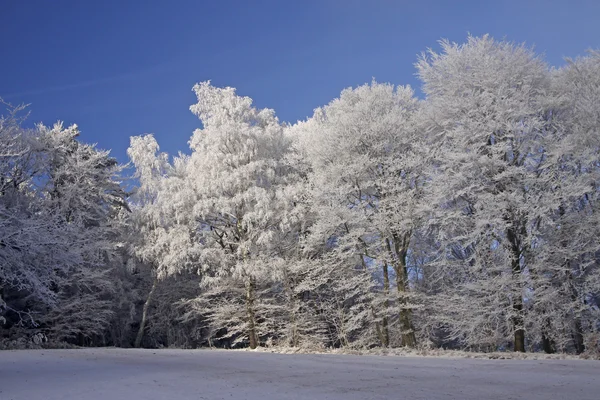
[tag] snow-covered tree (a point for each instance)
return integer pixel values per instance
(82, 189)
(27, 231)
(367, 161)
(486, 106)
(238, 174)
(566, 251)
(153, 230)
(59, 199)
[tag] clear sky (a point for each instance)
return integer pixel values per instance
(127, 67)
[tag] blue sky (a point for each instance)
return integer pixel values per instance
(122, 68)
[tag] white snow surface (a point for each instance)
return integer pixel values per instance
(113, 374)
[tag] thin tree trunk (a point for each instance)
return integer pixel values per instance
(578, 329)
(577, 334)
(578, 337)
(342, 328)
(140, 335)
(294, 339)
(517, 320)
(385, 334)
(517, 302)
(548, 344)
(2, 307)
(383, 337)
(250, 292)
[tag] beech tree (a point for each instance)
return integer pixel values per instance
(82, 189)
(59, 199)
(567, 265)
(27, 230)
(238, 178)
(156, 240)
(367, 160)
(485, 104)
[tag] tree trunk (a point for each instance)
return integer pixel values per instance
(385, 334)
(517, 320)
(514, 234)
(548, 344)
(140, 335)
(382, 335)
(250, 291)
(578, 337)
(578, 329)
(294, 339)
(2, 308)
(401, 248)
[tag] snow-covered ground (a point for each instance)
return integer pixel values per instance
(113, 374)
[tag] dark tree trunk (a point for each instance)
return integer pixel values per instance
(578, 337)
(577, 334)
(294, 337)
(382, 332)
(405, 314)
(250, 293)
(517, 320)
(517, 302)
(548, 344)
(577, 329)
(385, 334)
(140, 335)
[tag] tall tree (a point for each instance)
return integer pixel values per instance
(567, 249)
(237, 174)
(82, 189)
(367, 161)
(485, 103)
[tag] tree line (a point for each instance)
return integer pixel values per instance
(465, 219)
